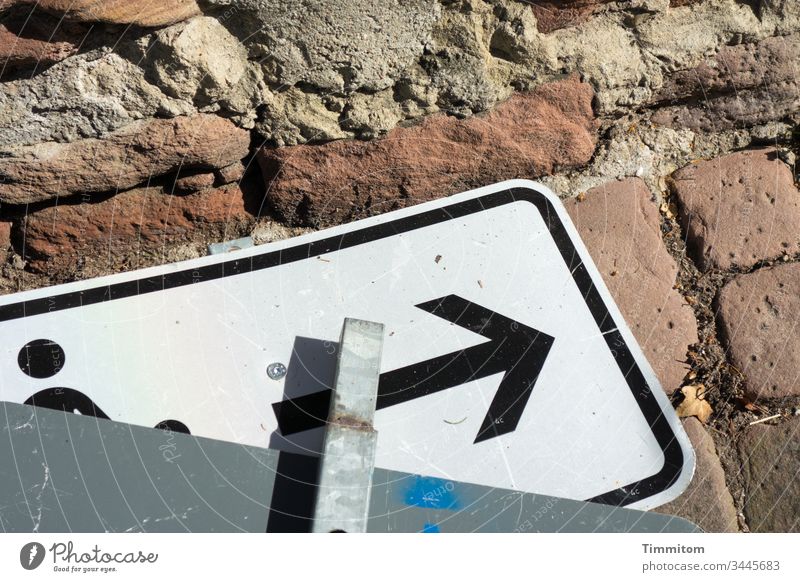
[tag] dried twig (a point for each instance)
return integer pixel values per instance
(760, 420)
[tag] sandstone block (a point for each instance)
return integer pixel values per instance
(122, 159)
(114, 233)
(529, 135)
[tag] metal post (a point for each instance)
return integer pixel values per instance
(348, 455)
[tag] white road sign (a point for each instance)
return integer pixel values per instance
(505, 361)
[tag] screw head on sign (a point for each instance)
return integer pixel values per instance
(276, 371)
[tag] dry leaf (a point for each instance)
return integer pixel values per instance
(694, 403)
(581, 197)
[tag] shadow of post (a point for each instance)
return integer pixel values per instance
(311, 368)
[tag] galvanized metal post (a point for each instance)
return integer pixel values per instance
(348, 455)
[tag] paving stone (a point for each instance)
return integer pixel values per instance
(759, 320)
(771, 468)
(529, 135)
(619, 223)
(707, 501)
(739, 209)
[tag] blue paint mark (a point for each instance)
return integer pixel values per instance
(431, 493)
(431, 528)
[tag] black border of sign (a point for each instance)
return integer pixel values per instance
(663, 433)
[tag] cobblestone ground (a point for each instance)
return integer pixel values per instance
(135, 133)
(747, 470)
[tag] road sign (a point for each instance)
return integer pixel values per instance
(71, 473)
(505, 361)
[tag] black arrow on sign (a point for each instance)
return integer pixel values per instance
(515, 349)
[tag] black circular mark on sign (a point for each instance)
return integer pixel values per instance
(173, 426)
(67, 400)
(41, 358)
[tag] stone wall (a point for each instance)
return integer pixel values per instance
(135, 133)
